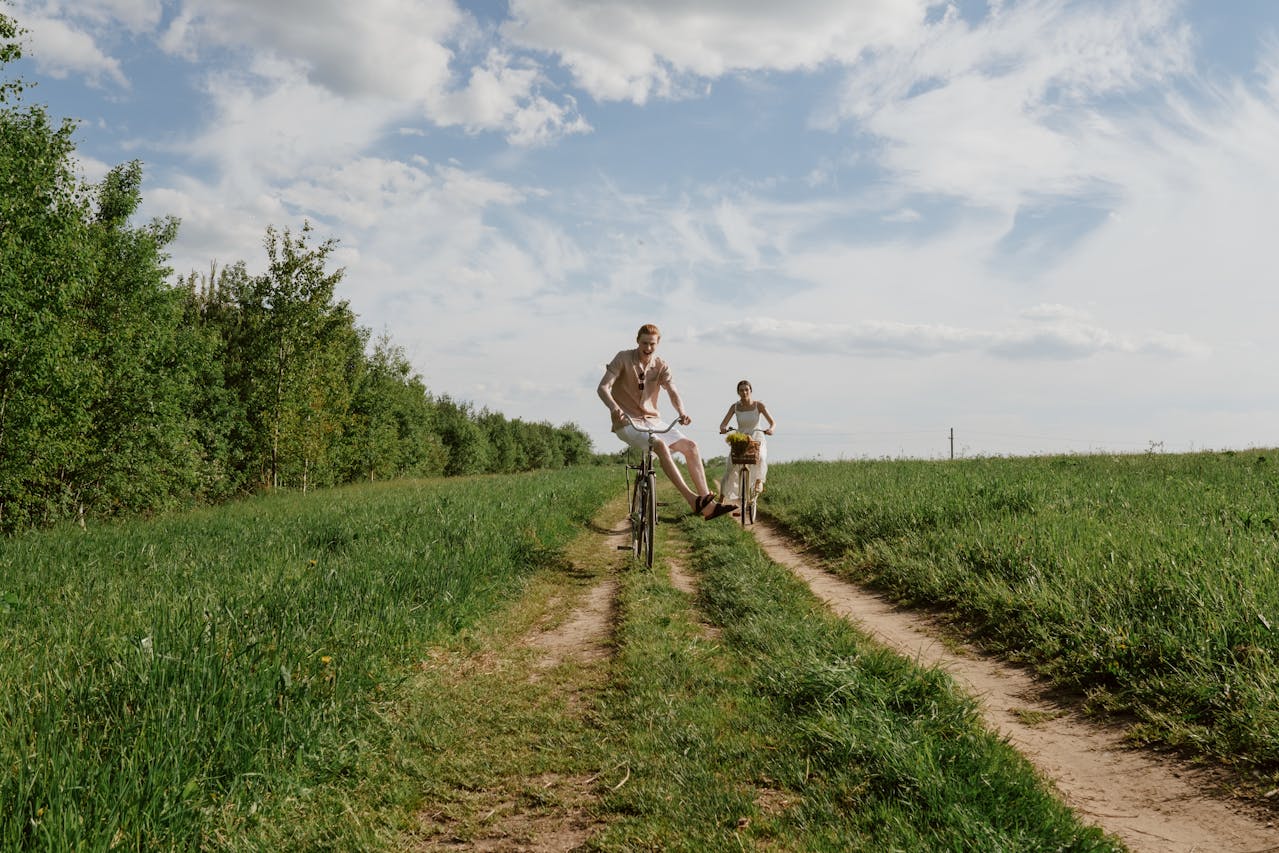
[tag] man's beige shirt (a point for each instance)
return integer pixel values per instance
(626, 371)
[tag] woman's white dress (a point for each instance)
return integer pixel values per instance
(747, 422)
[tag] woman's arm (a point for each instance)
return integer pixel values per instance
(723, 425)
(772, 424)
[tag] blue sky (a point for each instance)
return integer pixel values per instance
(1045, 224)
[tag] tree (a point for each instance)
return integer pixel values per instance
(575, 445)
(210, 316)
(466, 441)
(294, 347)
(505, 452)
(45, 265)
(141, 451)
(391, 426)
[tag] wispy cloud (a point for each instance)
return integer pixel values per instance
(634, 50)
(1048, 333)
(1014, 106)
(406, 57)
(64, 46)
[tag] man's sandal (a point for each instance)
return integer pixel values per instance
(703, 501)
(720, 509)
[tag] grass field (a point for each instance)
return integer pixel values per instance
(344, 670)
(790, 730)
(179, 683)
(1149, 582)
(742, 717)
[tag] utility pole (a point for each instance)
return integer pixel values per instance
(952, 443)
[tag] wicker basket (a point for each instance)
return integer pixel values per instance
(745, 453)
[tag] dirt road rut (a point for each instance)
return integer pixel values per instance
(1152, 804)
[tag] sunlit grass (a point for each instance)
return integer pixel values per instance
(789, 730)
(173, 683)
(1150, 582)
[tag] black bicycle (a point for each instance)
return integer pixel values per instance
(643, 492)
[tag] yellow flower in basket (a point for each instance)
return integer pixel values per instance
(738, 440)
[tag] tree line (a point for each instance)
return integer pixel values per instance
(124, 390)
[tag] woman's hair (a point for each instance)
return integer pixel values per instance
(747, 383)
(647, 329)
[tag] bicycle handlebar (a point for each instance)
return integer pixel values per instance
(669, 426)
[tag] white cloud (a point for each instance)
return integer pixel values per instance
(397, 53)
(634, 50)
(136, 15)
(274, 125)
(60, 49)
(499, 94)
(996, 112)
(381, 48)
(1058, 335)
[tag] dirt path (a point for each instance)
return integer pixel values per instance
(563, 650)
(1152, 804)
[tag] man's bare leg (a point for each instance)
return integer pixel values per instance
(693, 458)
(673, 474)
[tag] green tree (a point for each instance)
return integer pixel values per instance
(505, 453)
(575, 445)
(295, 348)
(467, 443)
(391, 430)
(141, 450)
(210, 318)
(46, 264)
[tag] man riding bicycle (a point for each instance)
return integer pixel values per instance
(629, 388)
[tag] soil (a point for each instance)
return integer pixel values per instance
(1151, 802)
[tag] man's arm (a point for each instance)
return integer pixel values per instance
(605, 390)
(677, 403)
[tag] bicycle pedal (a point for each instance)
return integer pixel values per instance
(663, 503)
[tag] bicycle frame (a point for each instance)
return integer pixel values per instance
(746, 493)
(643, 492)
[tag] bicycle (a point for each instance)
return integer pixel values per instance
(643, 492)
(743, 456)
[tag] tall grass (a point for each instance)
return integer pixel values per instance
(172, 683)
(1148, 581)
(789, 730)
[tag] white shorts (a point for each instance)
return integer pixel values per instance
(630, 434)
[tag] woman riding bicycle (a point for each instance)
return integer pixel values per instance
(629, 388)
(748, 412)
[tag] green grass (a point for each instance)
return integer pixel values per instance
(1149, 582)
(345, 670)
(188, 681)
(788, 730)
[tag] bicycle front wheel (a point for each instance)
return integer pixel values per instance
(637, 514)
(650, 520)
(743, 482)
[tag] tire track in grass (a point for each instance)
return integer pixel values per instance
(565, 655)
(1152, 803)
